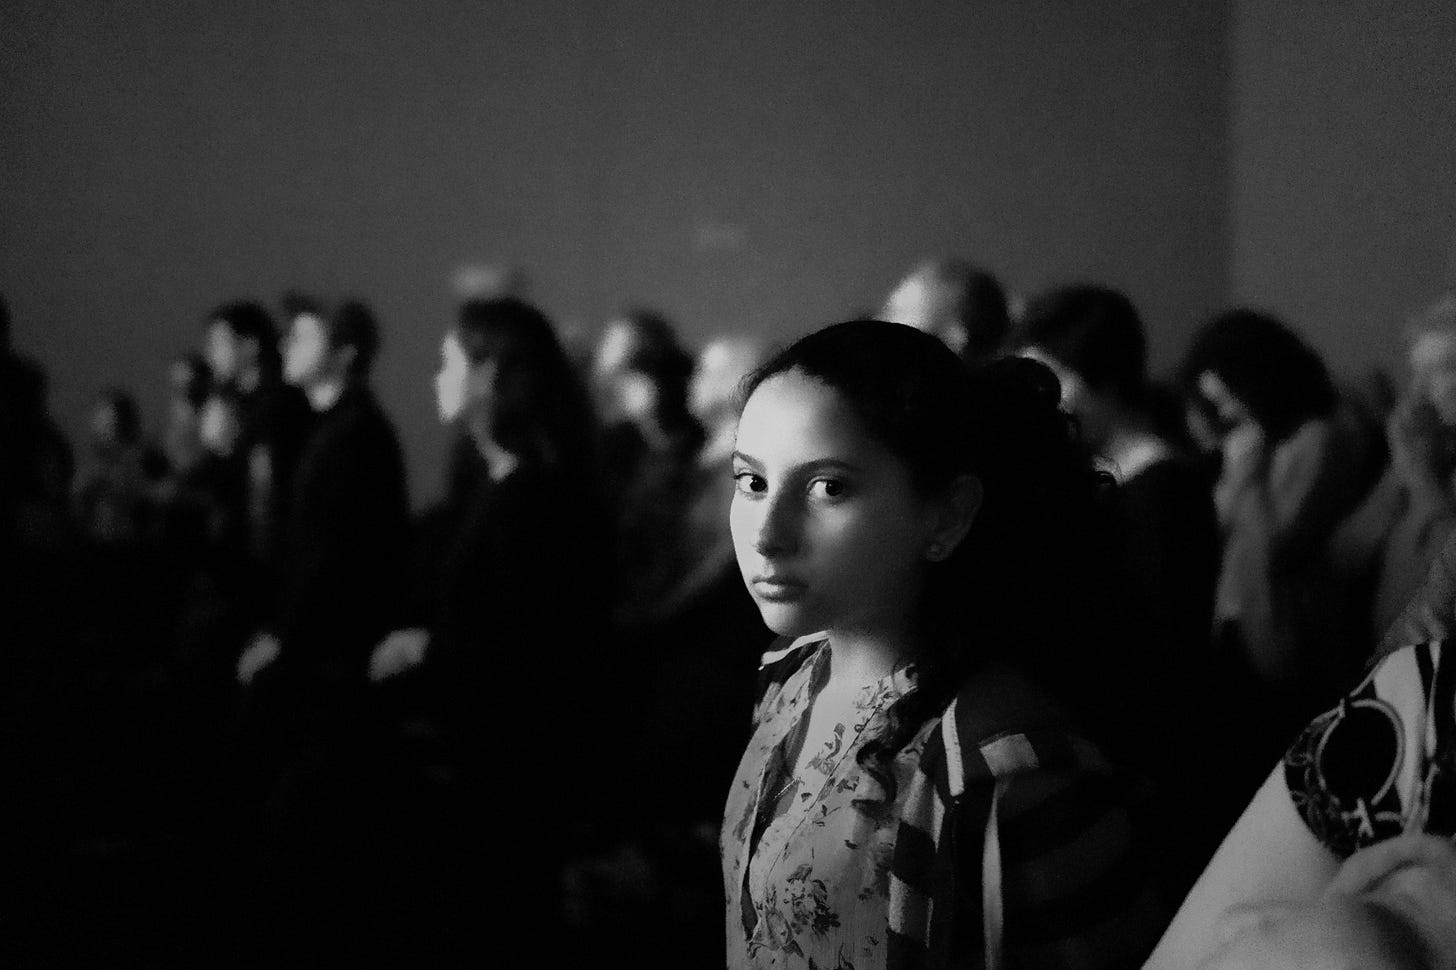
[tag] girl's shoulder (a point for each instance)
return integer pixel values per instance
(1002, 723)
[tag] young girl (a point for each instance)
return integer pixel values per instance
(910, 796)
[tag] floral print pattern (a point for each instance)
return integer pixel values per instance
(809, 885)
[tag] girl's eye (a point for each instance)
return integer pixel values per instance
(750, 484)
(826, 488)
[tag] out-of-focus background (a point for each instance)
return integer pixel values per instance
(276, 690)
(757, 166)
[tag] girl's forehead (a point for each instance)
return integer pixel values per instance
(793, 415)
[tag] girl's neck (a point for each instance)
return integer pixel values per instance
(860, 657)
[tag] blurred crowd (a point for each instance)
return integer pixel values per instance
(257, 712)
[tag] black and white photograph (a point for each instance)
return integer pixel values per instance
(728, 485)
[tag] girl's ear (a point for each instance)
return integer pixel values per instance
(956, 512)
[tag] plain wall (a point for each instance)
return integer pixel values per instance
(763, 166)
(1343, 165)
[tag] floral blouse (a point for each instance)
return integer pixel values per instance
(806, 859)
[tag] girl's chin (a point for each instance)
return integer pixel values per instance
(788, 620)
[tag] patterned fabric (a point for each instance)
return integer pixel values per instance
(806, 856)
(1383, 760)
(904, 889)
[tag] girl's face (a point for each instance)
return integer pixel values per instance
(829, 531)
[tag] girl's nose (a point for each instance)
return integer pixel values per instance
(778, 529)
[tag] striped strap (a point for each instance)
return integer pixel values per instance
(955, 766)
(991, 913)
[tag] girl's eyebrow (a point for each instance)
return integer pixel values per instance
(830, 464)
(814, 465)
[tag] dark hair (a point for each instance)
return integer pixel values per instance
(352, 324)
(542, 409)
(1095, 332)
(4, 325)
(1001, 422)
(250, 321)
(296, 303)
(1266, 365)
(124, 409)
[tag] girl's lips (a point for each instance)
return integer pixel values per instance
(778, 587)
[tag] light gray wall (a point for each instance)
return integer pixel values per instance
(1343, 210)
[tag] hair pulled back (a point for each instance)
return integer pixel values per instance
(1008, 590)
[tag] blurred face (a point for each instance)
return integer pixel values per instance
(463, 389)
(179, 378)
(451, 380)
(306, 358)
(910, 304)
(828, 530)
(222, 352)
(218, 426)
(104, 430)
(1433, 367)
(618, 343)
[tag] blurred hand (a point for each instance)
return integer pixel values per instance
(1391, 906)
(400, 651)
(260, 653)
(1414, 877)
(1245, 453)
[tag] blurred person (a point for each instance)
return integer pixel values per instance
(36, 462)
(714, 400)
(112, 491)
(241, 348)
(520, 611)
(694, 692)
(650, 444)
(1385, 549)
(1162, 543)
(1094, 341)
(1292, 468)
(189, 381)
(341, 590)
(640, 375)
(963, 305)
(1344, 855)
(913, 794)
